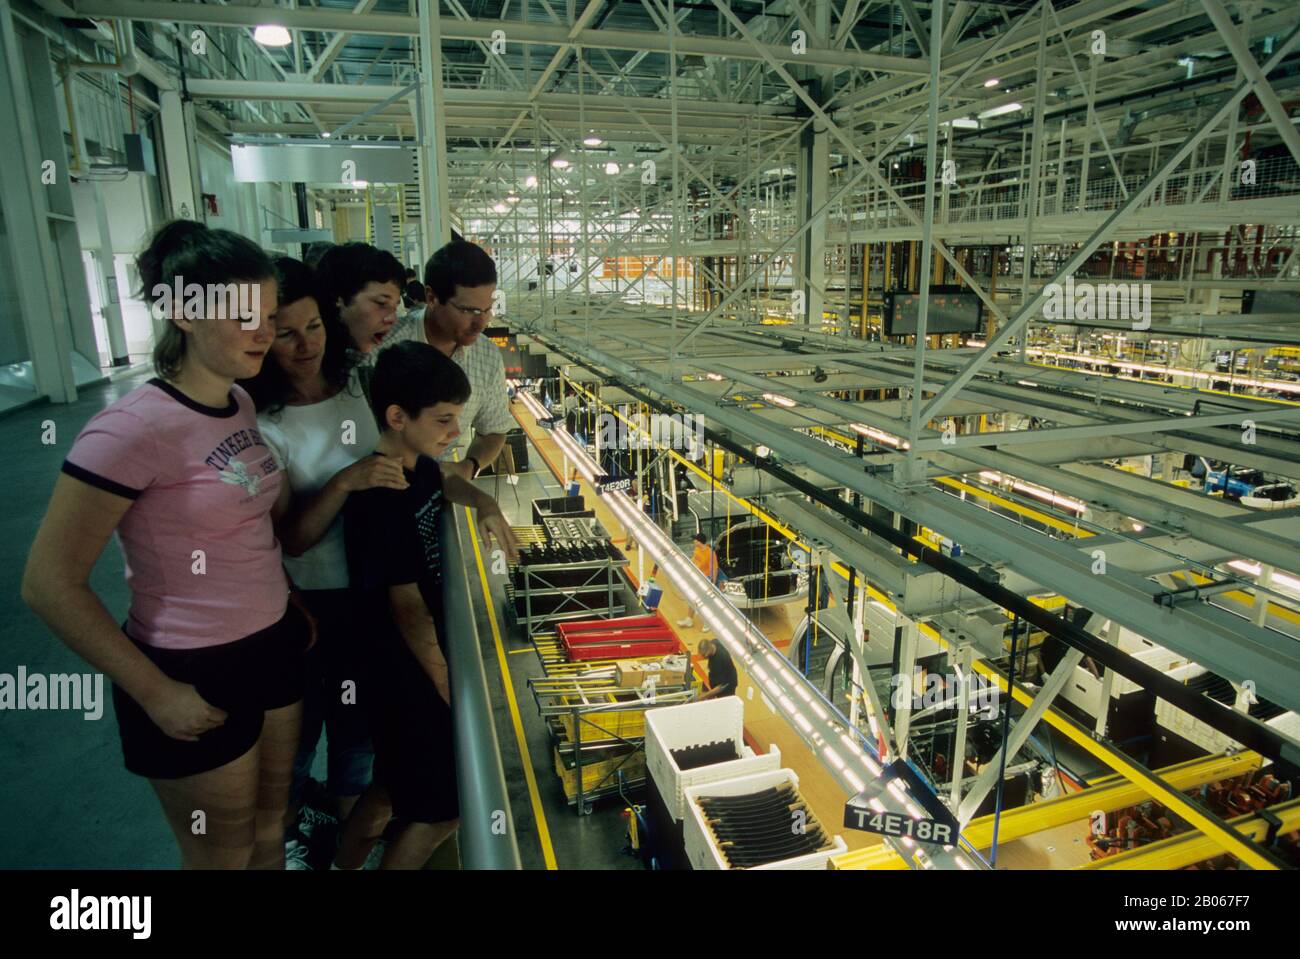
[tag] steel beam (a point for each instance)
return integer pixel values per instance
(452, 28)
(1089, 246)
(1263, 91)
(1230, 647)
(988, 779)
(1162, 425)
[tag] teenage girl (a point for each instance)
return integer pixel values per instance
(207, 668)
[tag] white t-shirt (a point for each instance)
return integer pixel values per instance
(312, 443)
(488, 409)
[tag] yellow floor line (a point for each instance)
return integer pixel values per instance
(543, 832)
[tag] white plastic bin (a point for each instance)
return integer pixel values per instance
(702, 851)
(694, 724)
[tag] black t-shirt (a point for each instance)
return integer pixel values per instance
(393, 538)
(722, 671)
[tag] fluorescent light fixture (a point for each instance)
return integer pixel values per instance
(713, 376)
(1278, 385)
(612, 168)
(272, 35)
(880, 436)
(976, 343)
(560, 163)
(966, 123)
(1038, 492)
(592, 141)
(325, 134)
(500, 208)
(780, 400)
(992, 82)
(512, 199)
(1255, 569)
(1000, 111)
(531, 182)
(360, 184)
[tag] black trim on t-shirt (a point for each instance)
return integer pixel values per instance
(231, 408)
(101, 482)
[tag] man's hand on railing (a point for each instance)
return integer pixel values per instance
(492, 524)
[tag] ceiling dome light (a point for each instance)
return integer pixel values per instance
(272, 35)
(512, 199)
(531, 182)
(560, 163)
(992, 82)
(499, 208)
(612, 168)
(592, 141)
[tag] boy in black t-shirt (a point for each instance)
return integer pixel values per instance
(395, 571)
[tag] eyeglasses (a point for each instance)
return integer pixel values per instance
(471, 311)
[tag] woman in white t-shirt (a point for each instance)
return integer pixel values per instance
(314, 416)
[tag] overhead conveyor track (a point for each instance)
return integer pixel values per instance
(1226, 644)
(1143, 781)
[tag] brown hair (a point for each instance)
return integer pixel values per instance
(190, 252)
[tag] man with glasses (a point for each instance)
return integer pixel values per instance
(459, 281)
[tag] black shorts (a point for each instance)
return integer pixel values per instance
(411, 726)
(244, 678)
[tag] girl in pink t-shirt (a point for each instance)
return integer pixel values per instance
(207, 668)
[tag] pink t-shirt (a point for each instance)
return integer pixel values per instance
(202, 480)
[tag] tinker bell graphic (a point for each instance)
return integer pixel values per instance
(238, 475)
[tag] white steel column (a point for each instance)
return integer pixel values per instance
(60, 209)
(435, 223)
(24, 197)
(112, 308)
(179, 156)
(914, 467)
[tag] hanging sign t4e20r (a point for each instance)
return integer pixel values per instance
(938, 826)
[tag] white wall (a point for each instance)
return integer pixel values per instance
(134, 211)
(234, 211)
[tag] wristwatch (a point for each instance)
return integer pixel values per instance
(477, 467)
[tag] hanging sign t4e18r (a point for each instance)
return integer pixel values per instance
(937, 826)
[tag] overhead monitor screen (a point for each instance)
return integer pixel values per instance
(952, 310)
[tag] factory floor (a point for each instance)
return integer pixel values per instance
(763, 726)
(1062, 847)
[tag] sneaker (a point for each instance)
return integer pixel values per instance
(705, 629)
(318, 834)
(686, 622)
(295, 853)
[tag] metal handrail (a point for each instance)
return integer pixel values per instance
(487, 828)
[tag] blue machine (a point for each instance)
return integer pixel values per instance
(1234, 484)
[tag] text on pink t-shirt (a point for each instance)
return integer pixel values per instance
(202, 560)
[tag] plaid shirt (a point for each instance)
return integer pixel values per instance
(488, 409)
